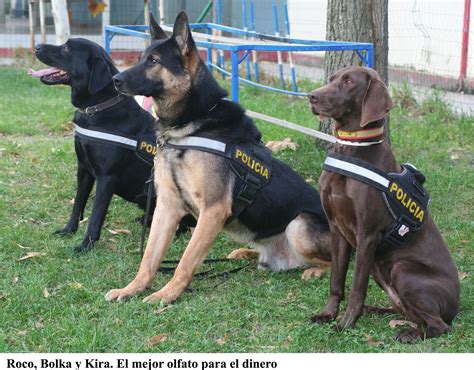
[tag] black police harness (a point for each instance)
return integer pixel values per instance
(403, 194)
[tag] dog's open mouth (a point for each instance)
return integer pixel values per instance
(321, 116)
(50, 76)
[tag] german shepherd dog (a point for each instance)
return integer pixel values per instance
(285, 222)
(87, 69)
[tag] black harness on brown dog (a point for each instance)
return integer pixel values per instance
(403, 194)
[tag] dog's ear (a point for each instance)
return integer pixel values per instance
(100, 76)
(377, 102)
(182, 35)
(156, 31)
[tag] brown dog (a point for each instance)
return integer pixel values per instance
(419, 277)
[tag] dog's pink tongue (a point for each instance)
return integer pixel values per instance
(42, 72)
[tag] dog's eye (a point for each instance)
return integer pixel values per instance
(348, 82)
(152, 59)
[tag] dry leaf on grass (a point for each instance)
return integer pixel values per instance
(286, 143)
(119, 231)
(371, 341)
(158, 339)
(75, 285)
(112, 247)
(72, 201)
(287, 341)
(22, 247)
(14, 280)
(84, 220)
(394, 323)
(39, 324)
(161, 310)
(221, 341)
(462, 275)
(31, 255)
(46, 293)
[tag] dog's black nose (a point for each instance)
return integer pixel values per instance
(37, 47)
(118, 79)
(313, 97)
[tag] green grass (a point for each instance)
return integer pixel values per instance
(252, 311)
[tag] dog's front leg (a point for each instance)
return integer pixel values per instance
(365, 254)
(85, 181)
(165, 221)
(210, 222)
(340, 255)
(104, 191)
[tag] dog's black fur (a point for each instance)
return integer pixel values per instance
(116, 170)
(285, 222)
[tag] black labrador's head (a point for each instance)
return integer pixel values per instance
(80, 63)
(354, 97)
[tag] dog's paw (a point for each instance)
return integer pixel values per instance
(118, 294)
(348, 321)
(313, 273)
(163, 296)
(85, 246)
(65, 231)
(322, 318)
(409, 336)
(243, 253)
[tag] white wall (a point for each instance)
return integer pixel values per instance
(423, 34)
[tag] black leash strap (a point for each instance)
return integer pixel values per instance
(149, 196)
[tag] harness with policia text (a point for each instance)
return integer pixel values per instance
(144, 147)
(403, 194)
(251, 162)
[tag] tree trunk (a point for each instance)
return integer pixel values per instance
(357, 21)
(61, 20)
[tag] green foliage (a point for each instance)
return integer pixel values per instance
(55, 302)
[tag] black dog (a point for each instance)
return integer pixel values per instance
(212, 165)
(116, 167)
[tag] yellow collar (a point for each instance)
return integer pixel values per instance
(368, 133)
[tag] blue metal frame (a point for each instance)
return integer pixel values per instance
(283, 44)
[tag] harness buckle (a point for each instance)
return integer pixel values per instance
(249, 190)
(90, 111)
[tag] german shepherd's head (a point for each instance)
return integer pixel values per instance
(171, 71)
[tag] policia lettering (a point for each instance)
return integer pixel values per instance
(251, 163)
(403, 194)
(410, 204)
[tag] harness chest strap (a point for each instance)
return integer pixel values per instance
(250, 162)
(403, 194)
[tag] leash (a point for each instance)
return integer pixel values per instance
(224, 274)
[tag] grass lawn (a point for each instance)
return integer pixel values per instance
(55, 302)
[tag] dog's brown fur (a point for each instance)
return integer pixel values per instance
(420, 278)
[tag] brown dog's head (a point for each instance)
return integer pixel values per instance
(354, 97)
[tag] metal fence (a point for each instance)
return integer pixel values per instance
(425, 36)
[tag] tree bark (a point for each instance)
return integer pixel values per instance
(61, 20)
(357, 21)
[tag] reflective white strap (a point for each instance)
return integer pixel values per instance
(199, 142)
(358, 143)
(105, 136)
(358, 170)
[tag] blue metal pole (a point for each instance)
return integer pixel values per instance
(290, 54)
(370, 56)
(107, 41)
(219, 21)
(277, 34)
(245, 27)
(209, 54)
(234, 57)
(254, 53)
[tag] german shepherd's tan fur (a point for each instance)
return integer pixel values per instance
(201, 183)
